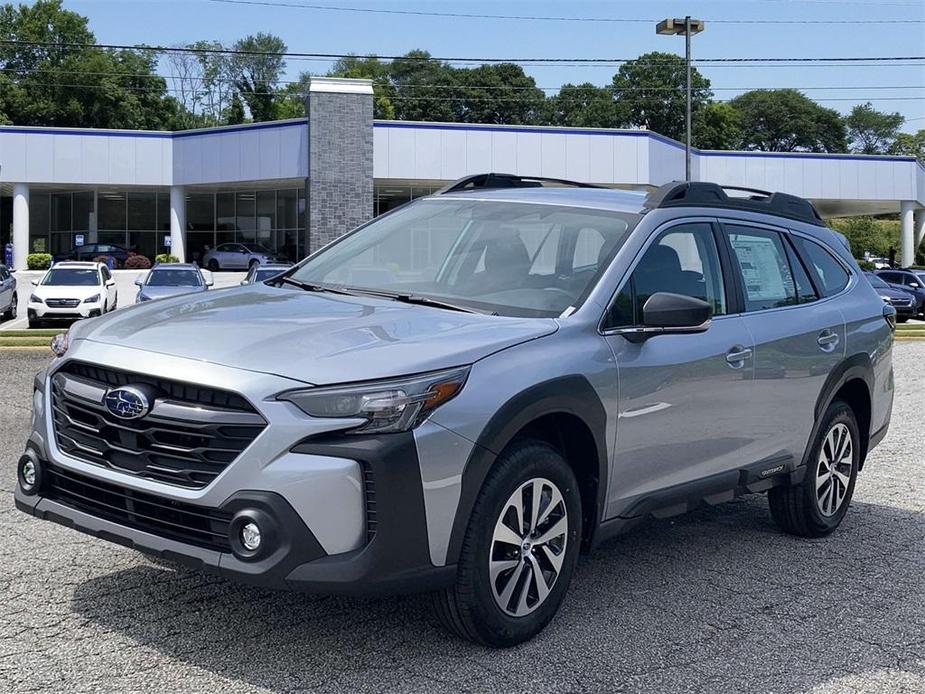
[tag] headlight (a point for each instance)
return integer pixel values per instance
(60, 343)
(387, 406)
(92, 299)
(36, 300)
(885, 298)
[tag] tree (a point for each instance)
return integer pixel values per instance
(583, 106)
(650, 93)
(499, 93)
(718, 125)
(371, 68)
(424, 88)
(785, 120)
(78, 85)
(910, 145)
(255, 69)
(871, 131)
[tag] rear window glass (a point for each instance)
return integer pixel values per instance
(830, 274)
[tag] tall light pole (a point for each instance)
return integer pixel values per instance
(688, 27)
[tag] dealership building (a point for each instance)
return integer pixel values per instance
(294, 185)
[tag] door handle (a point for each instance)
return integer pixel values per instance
(736, 356)
(827, 340)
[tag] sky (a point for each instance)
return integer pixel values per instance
(815, 33)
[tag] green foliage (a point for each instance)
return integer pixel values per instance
(583, 106)
(650, 93)
(166, 258)
(910, 145)
(868, 235)
(256, 69)
(78, 85)
(871, 131)
(717, 126)
(38, 261)
(866, 265)
(785, 120)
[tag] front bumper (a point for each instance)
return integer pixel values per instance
(82, 310)
(347, 511)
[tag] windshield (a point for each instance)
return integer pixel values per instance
(174, 278)
(516, 259)
(256, 248)
(877, 283)
(920, 276)
(71, 277)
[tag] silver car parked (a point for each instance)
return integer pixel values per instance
(9, 298)
(463, 395)
(171, 279)
(237, 256)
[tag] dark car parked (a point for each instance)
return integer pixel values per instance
(261, 273)
(90, 251)
(910, 281)
(901, 300)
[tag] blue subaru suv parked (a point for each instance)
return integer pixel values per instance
(466, 393)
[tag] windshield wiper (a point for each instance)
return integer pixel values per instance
(311, 287)
(408, 298)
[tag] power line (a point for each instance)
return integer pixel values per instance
(337, 56)
(611, 20)
(487, 87)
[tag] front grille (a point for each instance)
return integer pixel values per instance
(188, 437)
(175, 520)
(901, 302)
(62, 303)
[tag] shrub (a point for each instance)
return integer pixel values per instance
(104, 259)
(137, 262)
(866, 265)
(166, 258)
(38, 261)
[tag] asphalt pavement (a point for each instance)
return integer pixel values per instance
(716, 601)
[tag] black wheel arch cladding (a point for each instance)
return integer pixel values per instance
(568, 395)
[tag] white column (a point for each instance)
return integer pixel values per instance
(919, 226)
(20, 225)
(178, 222)
(906, 209)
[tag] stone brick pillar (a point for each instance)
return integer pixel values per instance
(339, 187)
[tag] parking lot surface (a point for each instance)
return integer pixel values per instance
(716, 601)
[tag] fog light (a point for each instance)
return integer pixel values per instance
(250, 537)
(29, 474)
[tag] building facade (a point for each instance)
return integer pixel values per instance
(294, 185)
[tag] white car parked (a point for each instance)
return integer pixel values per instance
(72, 290)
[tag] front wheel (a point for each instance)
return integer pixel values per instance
(213, 265)
(902, 319)
(519, 551)
(10, 313)
(816, 506)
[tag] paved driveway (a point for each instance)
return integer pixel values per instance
(718, 601)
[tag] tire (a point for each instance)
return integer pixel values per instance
(252, 263)
(800, 510)
(34, 323)
(213, 265)
(472, 607)
(902, 319)
(10, 313)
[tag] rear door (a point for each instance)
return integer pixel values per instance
(799, 335)
(684, 399)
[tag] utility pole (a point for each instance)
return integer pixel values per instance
(688, 27)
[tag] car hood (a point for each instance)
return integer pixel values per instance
(318, 338)
(163, 292)
(44, 291)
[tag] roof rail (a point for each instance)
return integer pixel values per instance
(485, 181)
(701, 194)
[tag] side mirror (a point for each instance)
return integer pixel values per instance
(242, 282)
(668, 313)
(138, 281)
(110, 283)
(209, 282)
(914, 285)
(35, 283)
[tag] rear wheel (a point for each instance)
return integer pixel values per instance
(519, 551)
(816, 506)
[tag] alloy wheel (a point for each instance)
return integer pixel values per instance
(833, 471)
(528, 547)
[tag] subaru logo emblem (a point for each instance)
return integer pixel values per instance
(127, 402)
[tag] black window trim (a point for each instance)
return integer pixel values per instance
(811, 271)
(732, 291)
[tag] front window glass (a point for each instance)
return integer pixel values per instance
(174, 278)
(512, 258)
(683, 260)
(255, 248)
(262, 274)
(71, 277)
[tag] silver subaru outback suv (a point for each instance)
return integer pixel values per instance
(463, 395)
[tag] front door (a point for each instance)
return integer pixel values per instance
(684, 399)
